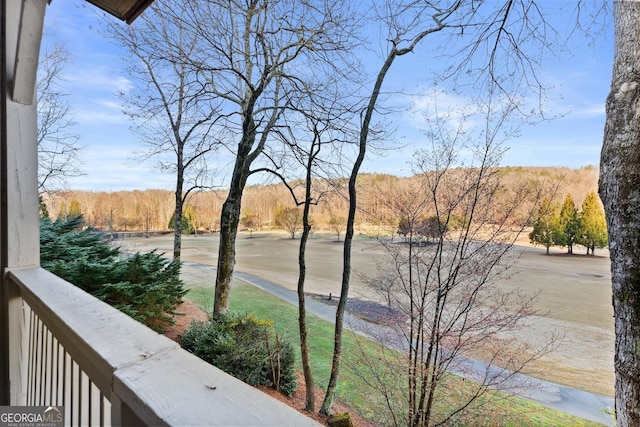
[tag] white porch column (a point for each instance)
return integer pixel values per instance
(21, 32)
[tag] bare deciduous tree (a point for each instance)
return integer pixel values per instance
(337, 224)
(308, 158)
(482, 39)
(173, 112)
(58, 147)
(324, 127)
(289, 219)
(442, 291)
(252, 54)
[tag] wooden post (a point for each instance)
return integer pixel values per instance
(21, 31)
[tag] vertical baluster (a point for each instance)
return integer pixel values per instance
(36, 339)
(105, 408)
(90, 403)
(79, 395)
(45, 364)
(71, 393)
(64, 378)
(90, 408)
(68, 387)
(34, 369)
(51, 370)
(59, 371)
(38, 370)
(41, 361)
(31, 357)
(82, 398)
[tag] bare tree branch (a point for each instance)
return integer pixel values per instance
(173, 113)
(58, 145)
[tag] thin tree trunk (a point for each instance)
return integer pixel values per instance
(177, 230)
(348, 237)
(177, 214)
(302, 313)
(619, 190)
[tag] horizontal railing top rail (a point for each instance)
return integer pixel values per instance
(153, 377)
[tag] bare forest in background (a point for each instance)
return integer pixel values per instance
(144, 210)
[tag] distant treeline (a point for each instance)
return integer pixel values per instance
(141, 210)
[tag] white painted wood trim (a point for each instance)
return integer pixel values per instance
(26, 59)
(146, 376)
(100, 338)
(177, 388)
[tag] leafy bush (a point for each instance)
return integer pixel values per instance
(245, 347)
(147, 287)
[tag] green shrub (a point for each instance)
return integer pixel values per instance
(245, 347)
(147, 287)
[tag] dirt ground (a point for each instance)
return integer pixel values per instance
(574, 292)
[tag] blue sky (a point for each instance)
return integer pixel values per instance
(578, 78)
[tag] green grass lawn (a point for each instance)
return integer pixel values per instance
(502, 410)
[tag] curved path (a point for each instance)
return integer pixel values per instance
(566, 399)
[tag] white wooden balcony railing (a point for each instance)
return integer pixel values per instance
(70, 349)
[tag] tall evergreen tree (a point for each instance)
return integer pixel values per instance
(569, 224)
(74, 209)
(546, 227)
(187, 219)
(44, 210)
(63, 212)
(593, 225)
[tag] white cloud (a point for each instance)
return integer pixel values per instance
(437, 104)
(100, 111)
(588, 111)
(109, 167)
(95, 78)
